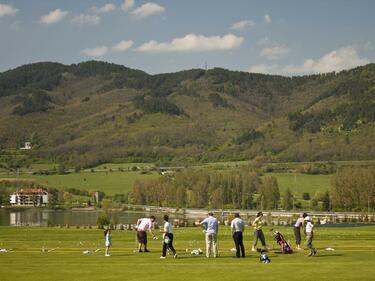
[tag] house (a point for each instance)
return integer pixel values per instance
(29, 197)
(27, 146)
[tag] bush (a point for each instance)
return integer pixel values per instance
(306, 196)
(102, 220)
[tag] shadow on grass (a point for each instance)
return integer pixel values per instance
(330, 255)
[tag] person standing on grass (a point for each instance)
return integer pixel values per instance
(211, 227)
(168, 238)
(108, 240)
(297, 230)
(309, 236)
(144, 225)
(237, 227)
(258, 232)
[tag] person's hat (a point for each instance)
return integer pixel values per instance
(307, 218)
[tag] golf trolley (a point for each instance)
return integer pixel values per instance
(285, 247)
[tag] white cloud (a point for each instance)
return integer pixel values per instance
(86, 19)
(337, 60)
(122, 46)
(53, 16)
(127, 5)
(148, 9)
(242, 25)
(95, 52)
(264, 68)
(193, 42)
(267, 18)
(7, 10)
(109, 7)
(275, 52)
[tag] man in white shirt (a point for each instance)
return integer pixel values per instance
(237, 227)
(211, 227)
(144, 225)
(309, 226)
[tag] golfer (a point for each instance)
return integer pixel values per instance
(237, 227)
(258, 232)
(144, 225)
(168, 238)
(108, 240)
(211, 227)
(309, 236)
(297, 230)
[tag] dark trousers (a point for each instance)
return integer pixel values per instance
(168, 245)
(238, 241)
(297, 234)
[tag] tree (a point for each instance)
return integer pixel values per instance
(353, 188)
(306, 196)
(287, 201)
(269, 194)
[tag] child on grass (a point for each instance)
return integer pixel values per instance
(108, 240)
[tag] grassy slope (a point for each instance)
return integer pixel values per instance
(353, 259)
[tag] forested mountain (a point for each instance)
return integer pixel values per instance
(94, 112)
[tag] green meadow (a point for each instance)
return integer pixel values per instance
(106, 181)
(300, 183)
(122, 182)
(63, 258)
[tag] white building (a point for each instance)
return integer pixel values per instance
(27, 146)
(29, 197)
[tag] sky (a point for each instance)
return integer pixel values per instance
(289, 37)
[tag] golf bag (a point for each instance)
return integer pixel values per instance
(263, 256)
(285, 247)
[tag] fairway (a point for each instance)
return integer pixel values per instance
(353, 258)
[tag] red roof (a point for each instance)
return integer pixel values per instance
(31, 190)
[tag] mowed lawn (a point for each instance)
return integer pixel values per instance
(300, 183)
(353, 258)
(108, 182)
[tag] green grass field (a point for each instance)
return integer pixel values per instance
(353, 258)
(300, 183)
(122, 182)
(108, 182)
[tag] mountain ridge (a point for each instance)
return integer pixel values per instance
(94, 112)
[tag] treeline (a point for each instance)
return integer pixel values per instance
(209, 188)
(33, 101)
(42, 76)
(157, 105)
(357, 88)
(353, 189)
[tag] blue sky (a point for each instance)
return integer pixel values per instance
(289, 37)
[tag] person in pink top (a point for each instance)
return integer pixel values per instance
(297, 230)
(144, 225)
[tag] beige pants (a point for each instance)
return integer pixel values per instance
(211, 240)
